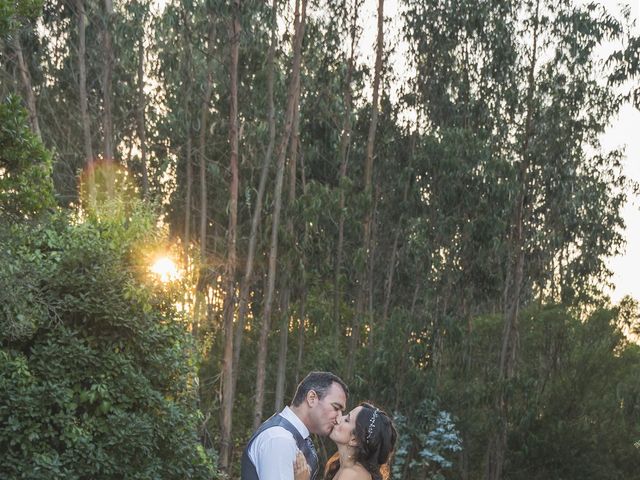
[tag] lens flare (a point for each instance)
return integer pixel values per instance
(165, 269)
(107, 190)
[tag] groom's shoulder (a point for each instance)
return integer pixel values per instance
(275, 433)
(273, 439)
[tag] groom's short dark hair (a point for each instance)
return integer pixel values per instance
(319, 382)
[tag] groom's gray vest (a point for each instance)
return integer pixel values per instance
(248, 469)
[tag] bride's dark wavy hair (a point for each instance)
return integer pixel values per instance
(376, 438)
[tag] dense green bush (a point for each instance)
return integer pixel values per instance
(574, 407)
(97, 377)
(13, 11)
(25, 165)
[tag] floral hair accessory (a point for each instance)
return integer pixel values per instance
(372, 423)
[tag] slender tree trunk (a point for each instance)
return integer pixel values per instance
(107, 82)
(245, 284)
(373, 243)
(363, 286)
(25, 77)
(188, 146)
(301, 320)
(142, 130)
(300, 12)
(401, 378)
(394, 249)
(287, 274)
(202, 141)
(283, 345)
(107, 116)
(229, 301)
(303, 284)
(388, 283)
(188, 200)
(497, 446)
(345, 142)
(84, 103)
(201, 310)
(188, 193)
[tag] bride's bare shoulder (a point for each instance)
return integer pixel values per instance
(356, 472)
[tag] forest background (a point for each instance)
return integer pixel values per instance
(442, 248)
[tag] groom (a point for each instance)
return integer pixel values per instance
(320, 398)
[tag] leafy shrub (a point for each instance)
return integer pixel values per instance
(425, 442)
(97, 375)
(26, 188)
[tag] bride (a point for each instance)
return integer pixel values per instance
(365, 438)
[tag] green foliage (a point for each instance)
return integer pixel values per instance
(13, 11)
(97, 373)
(431, 435)
(575, 408)
(577, 398)
(25, 165)
(627, 65)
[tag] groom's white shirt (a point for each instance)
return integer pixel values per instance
(274, 450)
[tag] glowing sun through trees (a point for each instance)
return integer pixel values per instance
(165, 269)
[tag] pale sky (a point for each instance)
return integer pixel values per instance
(625, 131)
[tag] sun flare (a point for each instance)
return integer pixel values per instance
(165, 269)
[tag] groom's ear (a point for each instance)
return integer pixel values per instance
(312, 398)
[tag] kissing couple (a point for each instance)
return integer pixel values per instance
(282, 449)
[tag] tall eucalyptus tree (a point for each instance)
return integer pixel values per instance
(365, 278)
(256, 216)
(230, 270)
(107, 80)
(202, 136)
(27, 85)
(345, 143)
(292, 99)
(82, 93)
